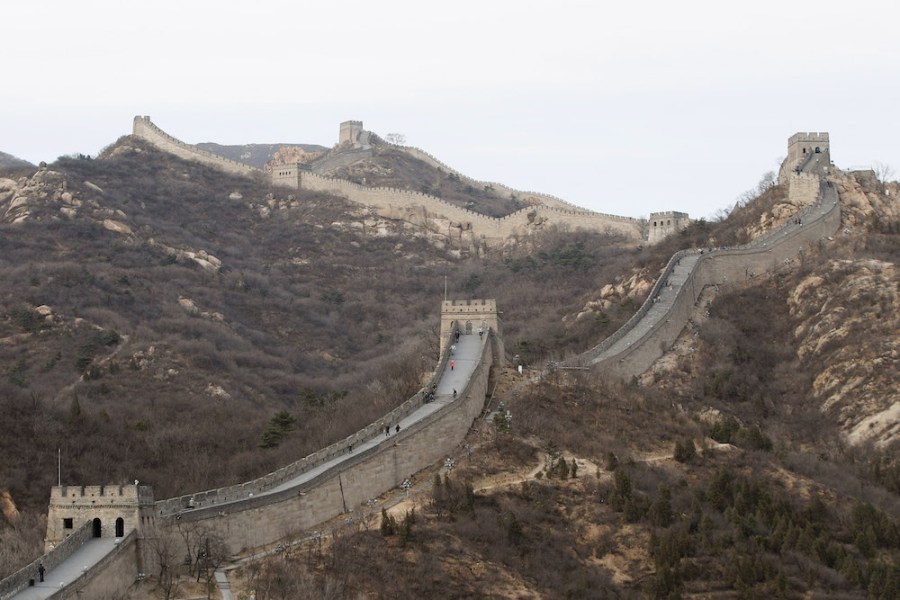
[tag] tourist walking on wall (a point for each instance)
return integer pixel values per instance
(41, 571)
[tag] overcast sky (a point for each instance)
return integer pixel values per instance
(624, 108)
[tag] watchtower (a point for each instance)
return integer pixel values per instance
(350, 133)
(804, 147)
(469, 316)
(287, 175)
(663, 224)
(113, 510)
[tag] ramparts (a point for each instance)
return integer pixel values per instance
(109, 578)
(247, 490)
(254, 520)
(146, 130)
(417, 208)
(422, 209)
(727, 266)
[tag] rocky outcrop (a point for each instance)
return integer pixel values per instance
(865, 202)
(849, 318)
(633, 286)
(291, 155)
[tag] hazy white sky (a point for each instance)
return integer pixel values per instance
(624, 108)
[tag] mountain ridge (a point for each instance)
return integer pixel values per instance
(222, 300)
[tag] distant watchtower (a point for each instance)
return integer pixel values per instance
(350, 133)
(663, 224)
(803, 148)
(468, 316)
(113, 510)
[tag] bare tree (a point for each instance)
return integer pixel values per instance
(396, 138)
(192, 535)
(163, 542)
(883, 171)
(213, 553)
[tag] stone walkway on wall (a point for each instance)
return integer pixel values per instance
(466, 358)
(658, 310)
(65, 573)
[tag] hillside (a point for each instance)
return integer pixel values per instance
(388, 167)
(259, 155)
(212, 304)
(8, 161)
(189, 329)
(743, 465)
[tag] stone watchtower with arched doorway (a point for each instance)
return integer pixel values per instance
(112, 510)
(469, 316)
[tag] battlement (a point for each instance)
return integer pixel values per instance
(811, 136)
(110, 493)
(468, 306)
(669, 214)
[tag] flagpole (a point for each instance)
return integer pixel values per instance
(58, 467)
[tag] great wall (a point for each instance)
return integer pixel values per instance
(421, 209)
(343, 477)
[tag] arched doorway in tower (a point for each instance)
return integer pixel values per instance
(120, 527)
(468, 327)
(98, 530)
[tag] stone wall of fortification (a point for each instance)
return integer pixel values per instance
(109, 578)
(245, 490)
(499, 188)
(803, 188)
(418, 208)
(410, 206)
(146, 130)
(258, 520)
(717, 268)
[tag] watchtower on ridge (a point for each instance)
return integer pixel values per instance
(469, 316)
(350, 133)
(663, 224)
(803, 147)
(113, 510)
